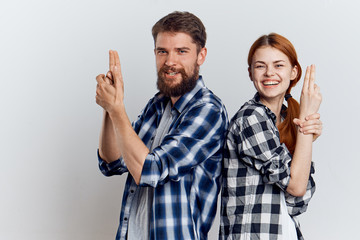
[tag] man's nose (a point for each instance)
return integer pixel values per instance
(171, 59)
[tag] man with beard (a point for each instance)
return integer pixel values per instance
(173, 151)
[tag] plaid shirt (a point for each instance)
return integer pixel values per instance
(256, 170)
(184, 170)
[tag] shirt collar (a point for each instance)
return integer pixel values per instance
(256, 100)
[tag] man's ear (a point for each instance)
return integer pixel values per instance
(201, 56)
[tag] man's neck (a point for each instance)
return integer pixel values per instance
(174, 100)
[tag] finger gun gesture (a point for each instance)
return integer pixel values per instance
(110, 88)
(310, 98)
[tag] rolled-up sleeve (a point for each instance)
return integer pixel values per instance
(198, 137)
(260, 147)
(117, 167)
(298, 205)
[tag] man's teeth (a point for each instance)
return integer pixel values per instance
(270, 83)
(172, 73)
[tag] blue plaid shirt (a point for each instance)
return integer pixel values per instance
(184, 170)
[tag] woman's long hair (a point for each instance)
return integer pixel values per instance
(287, 128)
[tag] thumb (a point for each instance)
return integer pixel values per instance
(297, 121)
(109, 78)
(109, 75)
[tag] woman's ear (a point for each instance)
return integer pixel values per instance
(294, 73)
(250, 75)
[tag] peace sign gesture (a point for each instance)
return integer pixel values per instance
(110, 88)
(310, 98)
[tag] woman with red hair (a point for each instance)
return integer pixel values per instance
(267, 162)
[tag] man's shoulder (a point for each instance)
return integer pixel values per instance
(206, 97)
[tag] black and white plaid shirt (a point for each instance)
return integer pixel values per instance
(256, 170)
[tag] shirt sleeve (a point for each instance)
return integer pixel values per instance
(198, 137)
(298, 205)
(259, 146)
(117, 167)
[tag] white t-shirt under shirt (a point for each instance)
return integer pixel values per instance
(288, 225)
(139, 219)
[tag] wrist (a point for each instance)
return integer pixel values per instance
(303, 115)
(117, 111)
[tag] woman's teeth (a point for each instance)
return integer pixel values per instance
(270, 83)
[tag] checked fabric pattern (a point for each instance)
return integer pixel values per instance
(184, 170)
(256, 170)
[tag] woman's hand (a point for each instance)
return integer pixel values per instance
(310, 98)
(311, 125)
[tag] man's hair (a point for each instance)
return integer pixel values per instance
(184, 22)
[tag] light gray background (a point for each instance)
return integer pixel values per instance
(51, 51)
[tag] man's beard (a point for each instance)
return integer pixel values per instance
(186, 85)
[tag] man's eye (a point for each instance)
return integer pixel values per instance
(161, 52)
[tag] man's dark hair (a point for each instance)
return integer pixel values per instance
(184, 22)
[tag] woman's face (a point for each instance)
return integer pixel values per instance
(271, 72)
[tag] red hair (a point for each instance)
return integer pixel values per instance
(287, 128)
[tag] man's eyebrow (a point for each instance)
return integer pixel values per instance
(178, 48)
(183, 48)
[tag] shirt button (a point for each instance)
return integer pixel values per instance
(125, 218)
(132, 191)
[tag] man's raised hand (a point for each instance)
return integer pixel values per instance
(110, 88)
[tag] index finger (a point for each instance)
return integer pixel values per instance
(313, 116)
(306, 78)
(312, 77)
(115, 67)
(111, 59)
(117, 61)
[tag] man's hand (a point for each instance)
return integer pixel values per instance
(110, 88)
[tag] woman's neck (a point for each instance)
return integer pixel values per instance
(275, 105)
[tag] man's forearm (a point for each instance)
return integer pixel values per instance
(108, 146)
(132, 148)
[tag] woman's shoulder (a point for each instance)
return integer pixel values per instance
(250, 109)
